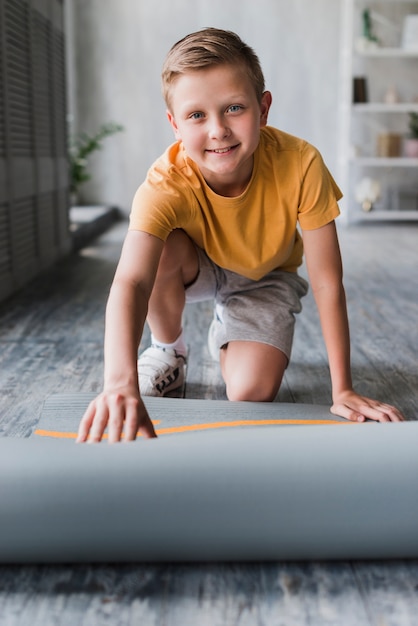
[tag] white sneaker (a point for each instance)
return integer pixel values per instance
(160, 370)
(212, 344)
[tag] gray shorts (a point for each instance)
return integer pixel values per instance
(250, 310)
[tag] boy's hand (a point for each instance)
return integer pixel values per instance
(356, 408)
(121, 410)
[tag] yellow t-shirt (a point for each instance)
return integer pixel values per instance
(255, 232)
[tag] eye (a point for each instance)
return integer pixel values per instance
(234, 108)
(197, 115)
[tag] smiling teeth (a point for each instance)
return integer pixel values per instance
(221, 150)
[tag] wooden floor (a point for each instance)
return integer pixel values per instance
(51, 341)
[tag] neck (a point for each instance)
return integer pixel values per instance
(230, 187)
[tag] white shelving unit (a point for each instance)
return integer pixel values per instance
(387, 67)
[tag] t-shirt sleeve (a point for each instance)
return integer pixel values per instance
(319, 194)
(160, 205)
(151, 213)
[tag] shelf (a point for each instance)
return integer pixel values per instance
(361, 123)
(395, 53)
(385, 161)
(383, 107)
(367, 3)
(386, 216)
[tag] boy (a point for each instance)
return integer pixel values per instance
(216, 218)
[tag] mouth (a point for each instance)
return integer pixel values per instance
(226, 150)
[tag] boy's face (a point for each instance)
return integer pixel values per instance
(216, 114)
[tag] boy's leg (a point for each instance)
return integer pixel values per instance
(252, 371)
(252, 332)
(179, 267)
(161, 368)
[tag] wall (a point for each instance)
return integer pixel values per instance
(119, 48)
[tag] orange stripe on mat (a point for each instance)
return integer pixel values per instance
(194, 427)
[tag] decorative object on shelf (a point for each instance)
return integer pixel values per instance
(411, 141)
(410, 32)
(391, 96)
(392, 30)
(404, 198)
(81, 147)
(389, 145)
(367, 192)
(360, 94)
(368, 41)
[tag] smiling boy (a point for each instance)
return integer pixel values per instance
(217, 218)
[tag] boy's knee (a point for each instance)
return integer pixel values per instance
(252, 372)
(239, 390)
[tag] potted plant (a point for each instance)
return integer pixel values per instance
(411, 141)
(80, 148)
(368, 40)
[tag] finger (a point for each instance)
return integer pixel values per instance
(136, 423)
(376, 412)
(342, 410)
(100, 422)
(393, 413)
(380, 412)
(146, 429)
(116, 418)
(131, 420)
(86, 422)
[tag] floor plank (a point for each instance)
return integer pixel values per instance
(389, 591)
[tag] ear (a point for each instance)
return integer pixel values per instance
(173, 124)
(266, 100)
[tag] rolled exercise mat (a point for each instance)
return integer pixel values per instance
(263, 493)
(61, 414)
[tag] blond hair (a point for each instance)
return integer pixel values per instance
(207, 48)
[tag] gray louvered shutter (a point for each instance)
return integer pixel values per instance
(33, 156)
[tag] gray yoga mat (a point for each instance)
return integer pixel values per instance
(260, 493)
(61, 415)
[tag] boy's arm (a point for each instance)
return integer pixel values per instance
(324, 266)
(120, 405)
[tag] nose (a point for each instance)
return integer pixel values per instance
(218, 129)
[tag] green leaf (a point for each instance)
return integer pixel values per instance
(81, 146)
